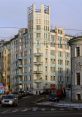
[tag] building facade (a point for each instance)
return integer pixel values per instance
(39, 56)
(19, 60)
(49, 52)
(1, 60)
(6, 65)
(76, 68)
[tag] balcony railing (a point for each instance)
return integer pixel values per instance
(19, 57)
(37, 54)
(19, 74)
(38, 63)
(19, 65)
(37, 71)
(38, 80)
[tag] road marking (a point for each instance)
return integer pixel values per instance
(5, 111)
(53, 109)
(61, 109)
(43, 109)
(14, 110)
(34, 108)
(24, 110)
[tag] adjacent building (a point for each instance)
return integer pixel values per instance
(1, 60)
(6, 65)
(76, 68)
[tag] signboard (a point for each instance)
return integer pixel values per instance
(2, 88)
(53, 86)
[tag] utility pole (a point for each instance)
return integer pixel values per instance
(71, 76)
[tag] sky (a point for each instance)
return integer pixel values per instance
(66, 14)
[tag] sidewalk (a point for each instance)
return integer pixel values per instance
(62, 104)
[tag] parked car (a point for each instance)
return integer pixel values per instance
(1, 97)
(22, 93)
(9, 99)
(53, 98)
(17, 94)
(29, 93)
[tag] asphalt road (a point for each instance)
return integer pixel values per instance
(27, 108)
(24, 103)
(29, 101)
(43, 114)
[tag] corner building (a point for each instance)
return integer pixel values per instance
(39, 56)
(49, 53)
(39, 39)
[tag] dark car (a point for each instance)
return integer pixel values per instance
(29, 93)
(53, 98)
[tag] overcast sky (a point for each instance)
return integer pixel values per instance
(64, 13)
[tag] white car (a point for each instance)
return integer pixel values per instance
(9, 99)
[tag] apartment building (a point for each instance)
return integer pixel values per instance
(6, 65)
(60, 59)
(39, 56)
(49, 52)
(1, 60)
(19, 60)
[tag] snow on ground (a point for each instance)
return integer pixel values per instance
(62, 104)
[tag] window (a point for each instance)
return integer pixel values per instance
(60, 31)
(52, 41)
(60, 54)
(38, 35)
(60, 42)
(25, 61)
(0, 55)
(46, 77)
(38, 27)
(67, 62)
(52, 78)
(52, 69)
(67, 55)
(46, 60)
(78, 78)
(46, 68)
(78, 96)
(77, 51)
(52, 52)
(60, 70)
(60, 62)
(25, 53)
(52, 61)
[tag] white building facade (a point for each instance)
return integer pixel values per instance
(40, 57)
(49, 52)
(39, 37)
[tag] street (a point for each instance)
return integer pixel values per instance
(27, 107)
(42, 114)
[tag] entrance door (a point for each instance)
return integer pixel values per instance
(78, 96)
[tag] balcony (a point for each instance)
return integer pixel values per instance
(38, 80)
(19, 58)
(19, 65)
(37, 71)
(38, 63)
(38, 54)
(19, 74)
